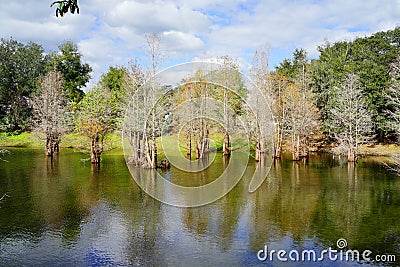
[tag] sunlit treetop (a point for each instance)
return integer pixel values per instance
(65, 6)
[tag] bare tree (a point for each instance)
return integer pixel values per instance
(135, 115)
(50, 111)
(393, 97)
(142, 121)
(233, 93)
(301, 118)
(351, 121)
(197, 89)
(154, 51)
(261, 77)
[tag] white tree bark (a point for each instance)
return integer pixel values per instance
(50, 111)
(351, 121)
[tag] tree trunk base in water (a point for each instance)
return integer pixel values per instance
(351, 156)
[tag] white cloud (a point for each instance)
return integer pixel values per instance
(144, 17)
(112, 32)
(180, 41)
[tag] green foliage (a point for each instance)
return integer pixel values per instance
(114, 81)
(65, 6)
(97, 113)
(25, 139)
(76, 74)
(292, 69)
(369, 58)
(21, 67)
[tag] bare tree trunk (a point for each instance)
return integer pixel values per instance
(206, 141)
(202, 146)
(226, 145)
(258, 151)
(304, 147)
(351, 155)
(49, 146)
(56, 143)
(95, 151)
(278, 150)
(147, 156)
(188, 143)
(295, 147)
(154, 153)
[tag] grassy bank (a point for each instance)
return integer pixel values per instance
(113, 142)
(72, 140)
(379, 149)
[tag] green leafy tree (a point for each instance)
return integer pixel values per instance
(76, 74)
(96, 117)
(295, 69)
(114, 80)
(21, 67)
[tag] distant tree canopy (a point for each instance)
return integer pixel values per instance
(66, 6)
(303, 93)
(75, 73)
(292, 68)
(22, 66)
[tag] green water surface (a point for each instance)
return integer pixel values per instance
(65, 212)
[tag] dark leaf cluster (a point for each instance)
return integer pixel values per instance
(65, 7)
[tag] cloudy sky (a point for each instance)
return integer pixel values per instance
(111, 32)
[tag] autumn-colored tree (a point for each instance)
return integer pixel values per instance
(96, 117)
(301, 118)
(280, 84)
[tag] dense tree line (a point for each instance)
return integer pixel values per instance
(369, 58)
(350, 94)
(349, 84)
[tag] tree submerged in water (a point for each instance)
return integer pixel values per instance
(50, 110)
(351, 120)
(143, 90)
(96, 117)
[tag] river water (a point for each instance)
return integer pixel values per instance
(64, 212)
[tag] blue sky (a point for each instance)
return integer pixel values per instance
(112, 32)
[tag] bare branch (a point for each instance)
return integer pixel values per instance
(351, 120)
(4, 196)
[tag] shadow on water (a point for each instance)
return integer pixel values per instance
(64, 212)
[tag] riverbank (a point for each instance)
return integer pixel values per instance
(72, 140)
(113, 142)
